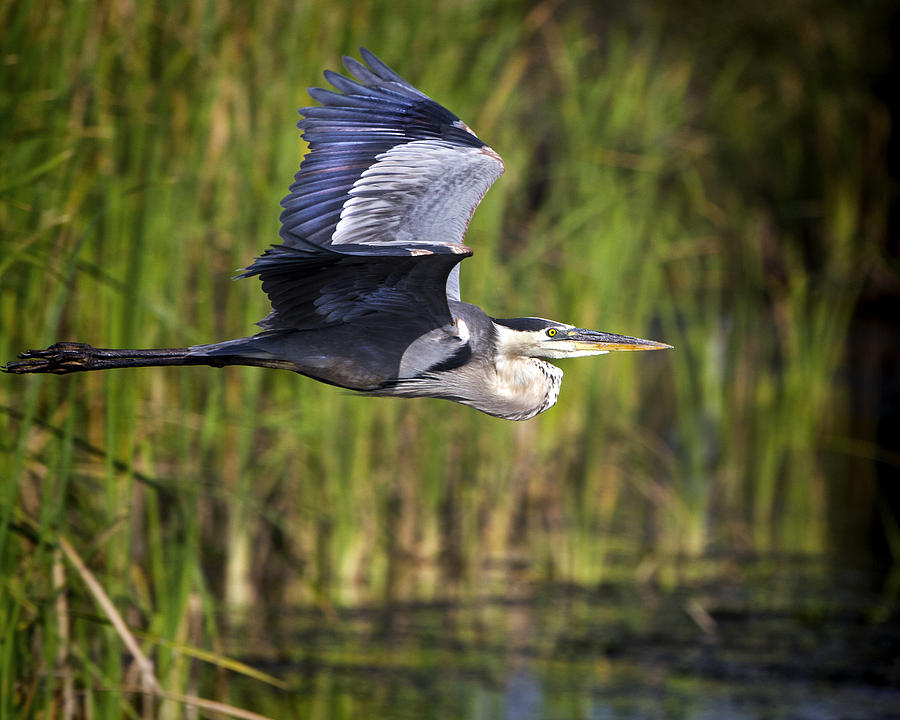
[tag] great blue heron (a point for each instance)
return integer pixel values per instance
(365, 284)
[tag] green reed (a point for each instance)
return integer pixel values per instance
(144, 151)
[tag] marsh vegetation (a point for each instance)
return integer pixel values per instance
(719, 182)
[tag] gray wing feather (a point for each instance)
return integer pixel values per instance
(453, 283)
(386, 164)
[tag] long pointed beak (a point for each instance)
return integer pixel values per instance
(607, 342)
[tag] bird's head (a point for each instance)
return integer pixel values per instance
(540, 338)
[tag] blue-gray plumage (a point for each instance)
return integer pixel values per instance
(364, 286)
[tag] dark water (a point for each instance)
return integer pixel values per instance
(764, 639)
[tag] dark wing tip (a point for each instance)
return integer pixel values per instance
(379, 67)
(359, 71)
(379, 74)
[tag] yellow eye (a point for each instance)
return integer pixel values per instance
(551, 332)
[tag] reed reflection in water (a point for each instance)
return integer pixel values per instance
(774, 637)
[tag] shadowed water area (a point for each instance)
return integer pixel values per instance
(762, 638)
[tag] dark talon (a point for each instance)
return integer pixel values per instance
(60, 358)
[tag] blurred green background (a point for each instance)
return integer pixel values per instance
(719, 178)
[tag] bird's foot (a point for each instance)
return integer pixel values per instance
(60, 358)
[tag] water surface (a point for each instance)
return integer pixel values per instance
(785, 638)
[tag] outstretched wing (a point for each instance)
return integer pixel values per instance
(314, 287)
(386, 166)
(375, 218)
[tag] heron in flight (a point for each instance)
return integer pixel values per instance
(364, 286)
